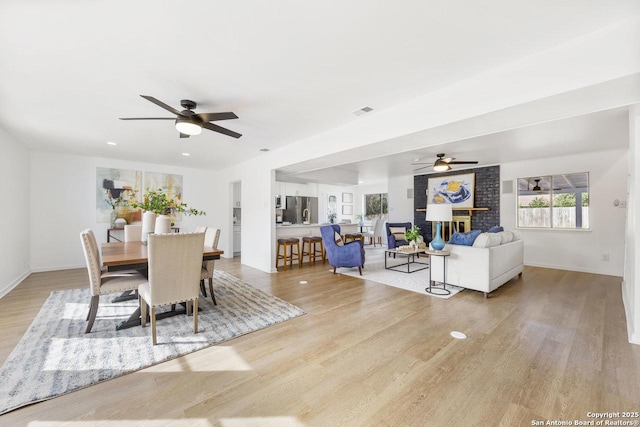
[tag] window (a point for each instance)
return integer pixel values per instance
(375, 206)
(554, 201)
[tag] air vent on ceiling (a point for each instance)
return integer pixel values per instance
(362, 111)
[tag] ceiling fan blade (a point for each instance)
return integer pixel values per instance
(448, 159)
(212, 117)
(463, 163)
(220, 129)
(184, 135)
(147, 118)
(162, 105)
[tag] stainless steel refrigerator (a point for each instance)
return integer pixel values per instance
(300, 209)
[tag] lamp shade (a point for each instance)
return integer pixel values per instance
(439, 212)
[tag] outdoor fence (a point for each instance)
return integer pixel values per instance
(541, 217)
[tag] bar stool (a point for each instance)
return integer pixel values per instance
(349, 237)
(311, 251)
(288, 242)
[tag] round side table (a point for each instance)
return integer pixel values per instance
(433, 289)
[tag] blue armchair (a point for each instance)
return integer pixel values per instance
(349, 255)
(392, 242)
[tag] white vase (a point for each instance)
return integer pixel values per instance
(148, 224)
(163, 224)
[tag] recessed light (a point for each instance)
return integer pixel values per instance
(111, 143)
(417, 159)
(186, 154)
(360, 182)
(303, 282)
(458, 335)
(264, 150)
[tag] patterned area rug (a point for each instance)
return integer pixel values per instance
(55, 356)
(416, 282)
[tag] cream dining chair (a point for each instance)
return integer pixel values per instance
(175, 261)
(102, 282)
(211, 237)
(379, 232)
(133, 233)
(370, 232)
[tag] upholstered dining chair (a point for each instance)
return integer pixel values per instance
(175, 261)
(379, 232)
(102, 282)
(203, 289)
(341, 254)
(370, 232)
(211, 237)
(132, 233)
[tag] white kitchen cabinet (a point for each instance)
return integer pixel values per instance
(237, 195)
(236, 239)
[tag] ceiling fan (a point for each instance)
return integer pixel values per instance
(442, 164)
(189, 122)
(537, 186)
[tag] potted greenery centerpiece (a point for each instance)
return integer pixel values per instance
(413, 236)
(156, 203)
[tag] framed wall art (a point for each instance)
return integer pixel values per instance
(347, 197)
(457, 190)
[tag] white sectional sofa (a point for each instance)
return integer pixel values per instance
(483, 267)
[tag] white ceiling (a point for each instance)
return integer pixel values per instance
(590, 132)
(288, 69)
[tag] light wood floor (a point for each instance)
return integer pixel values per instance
(550, 345)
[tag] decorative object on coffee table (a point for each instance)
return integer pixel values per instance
(439, 212)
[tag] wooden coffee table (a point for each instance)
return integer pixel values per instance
(411, 260)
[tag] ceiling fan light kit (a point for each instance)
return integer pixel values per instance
(188, 126)
(441, 166)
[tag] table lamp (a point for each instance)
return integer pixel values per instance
(439, 212)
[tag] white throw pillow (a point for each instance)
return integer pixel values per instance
(338, 238)
(487, 240)
(505, 237)
(516, 235)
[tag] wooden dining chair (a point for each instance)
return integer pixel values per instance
(211, 237)
(175, 262)
(102, 282)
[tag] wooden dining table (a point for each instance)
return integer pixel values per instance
(133, 255)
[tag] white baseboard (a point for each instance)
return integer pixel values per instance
(67, 267)
(572, 268)
(13, 284)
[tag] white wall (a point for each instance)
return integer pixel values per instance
(631, 284)
(574, 249)
(14, 249)
(62, 194)
(400, 206)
